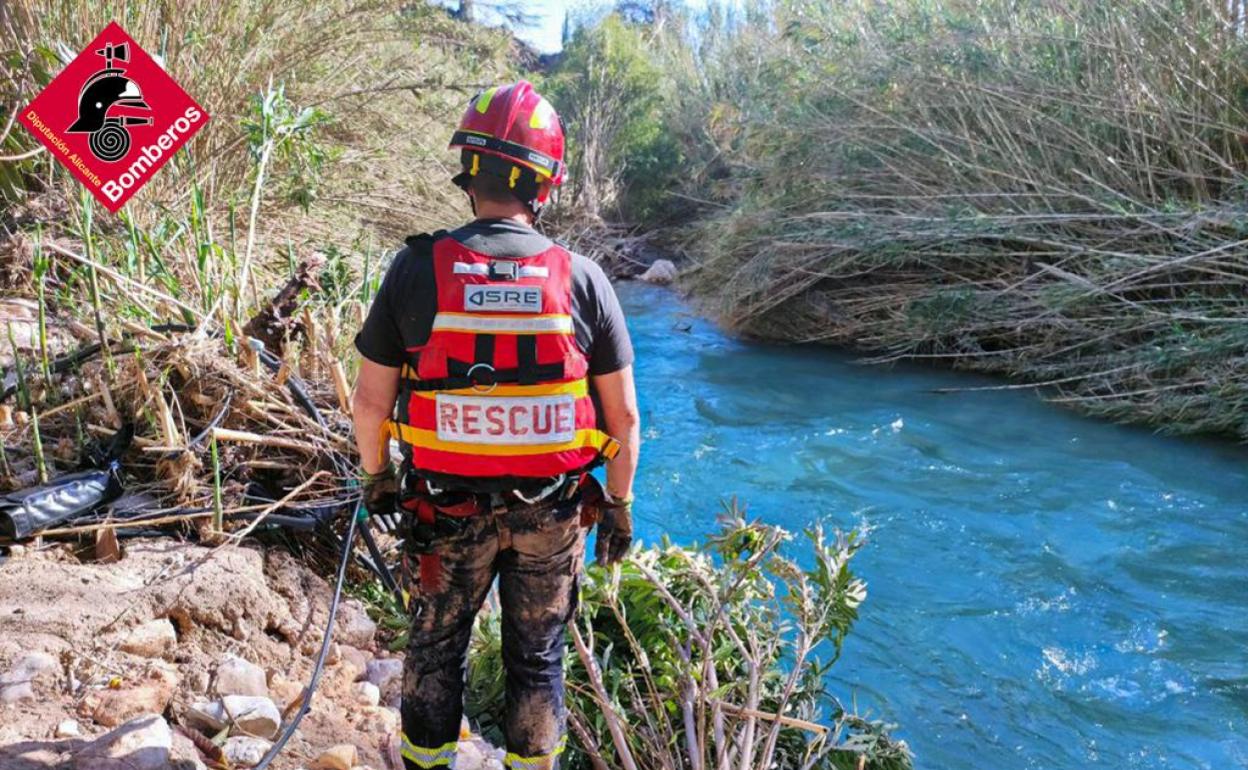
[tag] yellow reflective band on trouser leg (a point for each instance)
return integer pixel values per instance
(442, 755)
(539, 762)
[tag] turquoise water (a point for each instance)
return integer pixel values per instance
(1045, 590)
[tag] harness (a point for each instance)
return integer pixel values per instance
(493, 410)
(499, 392)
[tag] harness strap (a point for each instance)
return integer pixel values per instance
(484, 350)
(526, 357)
(459, 377)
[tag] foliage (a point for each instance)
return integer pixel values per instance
(1044, 190)
(608, 87)
(685, 656)
(326, 145)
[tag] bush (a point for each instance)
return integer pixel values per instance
(609, 86)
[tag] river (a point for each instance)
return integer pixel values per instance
(1045, 590)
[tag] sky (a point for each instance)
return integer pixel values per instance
(545, 33)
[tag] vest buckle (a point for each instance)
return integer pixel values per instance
(482, 385)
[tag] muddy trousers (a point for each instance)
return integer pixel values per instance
(536, 553)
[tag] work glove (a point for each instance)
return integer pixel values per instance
(615, 529)
(380, 495)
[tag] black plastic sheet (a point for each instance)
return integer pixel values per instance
(27, 512)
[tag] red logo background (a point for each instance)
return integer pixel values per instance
(56, 108)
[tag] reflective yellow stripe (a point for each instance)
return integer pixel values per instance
(493, 324)
(483, 101)
(578, 388)
(611, 448)
(428, 439)
(442, 755)
(542, 114)
(535, 763)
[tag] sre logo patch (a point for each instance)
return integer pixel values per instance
(113, 117)
(506, 298)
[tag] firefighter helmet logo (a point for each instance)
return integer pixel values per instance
(113, 117)
(98, 103)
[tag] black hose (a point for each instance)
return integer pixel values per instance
(347, 546)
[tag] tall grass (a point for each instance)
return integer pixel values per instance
(355, 97)
(1053, 190)
(326, 142)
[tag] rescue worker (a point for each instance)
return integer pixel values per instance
(501, 362)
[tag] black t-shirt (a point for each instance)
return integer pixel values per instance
(402, 314)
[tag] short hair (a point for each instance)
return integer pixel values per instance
(491, 187)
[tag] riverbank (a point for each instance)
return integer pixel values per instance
(195, 350)
(1051, 193)
(177, 656)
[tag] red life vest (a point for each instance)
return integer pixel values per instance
(500, 388)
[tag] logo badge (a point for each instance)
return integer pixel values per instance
(113, 117)
(503, 297)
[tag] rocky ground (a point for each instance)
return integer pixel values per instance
(180, 656)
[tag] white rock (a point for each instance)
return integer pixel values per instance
(340, 757)
(68, 729)
(384, 672)
(140, 744)
(208, 716)
(379, 719)
(662, 271)
(367, 693)
(153, 639)
(355, 659)
(252, 715)
(469, 757)
(144, 692)
(354, 626)
(245, 751)
(284, 691)
(19, 683)
(236, 676)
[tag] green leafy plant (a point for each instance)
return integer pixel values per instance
(687, 657)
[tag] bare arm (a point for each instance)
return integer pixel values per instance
(618, 395)
(372, 403)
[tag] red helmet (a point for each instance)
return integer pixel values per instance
(517, 124)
